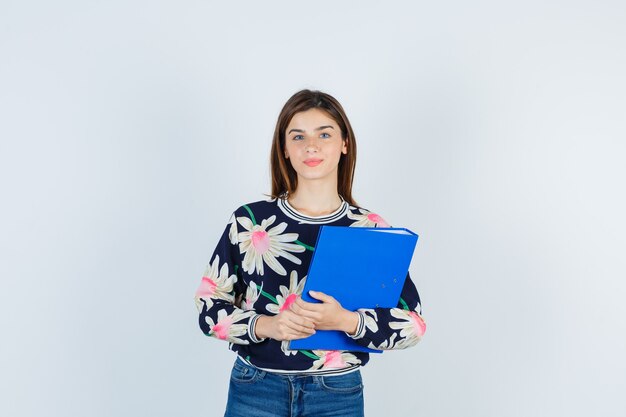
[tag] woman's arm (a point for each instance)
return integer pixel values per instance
(377, 328)
(393, 328)
(286, 325)
(222, 292)
(327, 315)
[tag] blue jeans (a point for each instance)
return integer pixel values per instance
(257, 393)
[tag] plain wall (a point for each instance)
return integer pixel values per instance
(496, 130)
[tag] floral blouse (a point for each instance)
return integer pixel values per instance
(259, 267)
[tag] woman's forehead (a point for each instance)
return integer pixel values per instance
(311, 119)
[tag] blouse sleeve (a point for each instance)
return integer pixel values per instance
(221, 289)
(393, 328)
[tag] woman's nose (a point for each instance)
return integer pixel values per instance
(310, 146)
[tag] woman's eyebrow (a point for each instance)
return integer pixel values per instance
(317, 128)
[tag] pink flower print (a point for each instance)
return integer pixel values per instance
(291, 298)
(376, 219)
(334, 359)
(207, 287)
(221, 329)
(261, 241)
(366, 218)
(419, 325)
(411, 325)
(285, 299)
(226, 327)
(216, 284)
(263, 245)
(287, 296)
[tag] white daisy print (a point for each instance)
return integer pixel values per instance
(263, 246)
(232, 233)
(288, 295)
(334, 359)
(285, 300)
(252, 295)
(215, 284)
(226, 329)
(406, 343)
(367, 219)
(411, 325)
(386, 345)
(370, 319)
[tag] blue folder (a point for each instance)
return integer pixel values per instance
(361, 267)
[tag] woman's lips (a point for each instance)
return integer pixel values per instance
(313, 162)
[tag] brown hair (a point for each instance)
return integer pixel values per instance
(284, 177)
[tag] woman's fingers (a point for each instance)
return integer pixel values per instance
(295, 325)
(302, 318)
(300, 323)
(304, 309)
(325, 298)
(302, 305)
(309, 307)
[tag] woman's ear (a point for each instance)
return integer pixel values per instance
(344, 149)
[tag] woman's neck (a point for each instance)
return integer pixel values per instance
(315, 200)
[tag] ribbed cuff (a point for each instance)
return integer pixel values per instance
(360, 328)
(251, 328)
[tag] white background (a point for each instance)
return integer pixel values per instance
(131, 129)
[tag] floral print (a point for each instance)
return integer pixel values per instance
(232, 232)
(261, 269)
(284, 300)
(386, 344)
(215, 285)
(225, 327)
(334, 359)
(370, 319)
(262, 246)
(367, 219)
(252, 295)
(411, 325)
(287, 295)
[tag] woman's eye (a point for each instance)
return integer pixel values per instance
(298, 137)
(325, 135)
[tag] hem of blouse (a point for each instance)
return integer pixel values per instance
(325, 372)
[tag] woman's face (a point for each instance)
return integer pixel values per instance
(313, 144)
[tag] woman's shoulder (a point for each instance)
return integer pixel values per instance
(366, 217)
(259, 206)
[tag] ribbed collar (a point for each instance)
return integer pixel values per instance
(294, 214)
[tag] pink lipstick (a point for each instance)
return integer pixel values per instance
(313, 162)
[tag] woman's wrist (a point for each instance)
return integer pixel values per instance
(260, 327)
(350, 322)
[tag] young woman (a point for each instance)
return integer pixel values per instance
(249, 295)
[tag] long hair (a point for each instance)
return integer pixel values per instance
(284, 177)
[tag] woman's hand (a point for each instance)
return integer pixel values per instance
(329, 315)
(286, 325)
